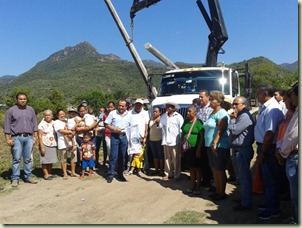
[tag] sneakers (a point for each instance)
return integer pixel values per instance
(262, 207)
(265, 215)
(129, 173)
(31, 181)
(15, 183)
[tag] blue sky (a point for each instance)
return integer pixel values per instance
(34, 29)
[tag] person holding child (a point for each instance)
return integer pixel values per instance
(87, 154)
(61, 130)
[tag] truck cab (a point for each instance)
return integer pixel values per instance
(183, 85)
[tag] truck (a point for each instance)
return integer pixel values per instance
(182, 85)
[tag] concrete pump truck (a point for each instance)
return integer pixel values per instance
(183, 85)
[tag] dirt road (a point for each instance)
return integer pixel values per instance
(140, 200)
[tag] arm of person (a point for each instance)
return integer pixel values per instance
(222, 126)
(241, 123)
(41, 145)
(9, 140)
(146, 133)
(113, 129)
(200, 144)
(82, 129)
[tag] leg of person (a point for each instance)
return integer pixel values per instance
(114, 144)
(243, 160)
(161, 157)
(79, 141)
(84, 166)
(206, 171)
(155, 155)
(270, 172)
(64, 162)
(292, 175)
(108, 147)
(176, 159)
(122, 151)
(146, 159)
(16, 159)
(73, 162)
(27, 158)
(220, 162)
(168, 171)
(98, 140)
(45, 171)
(231, 169)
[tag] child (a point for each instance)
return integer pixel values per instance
(137, 162)
(89, 119)
(70, 125)
(87, 155)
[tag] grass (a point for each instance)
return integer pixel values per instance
(187, 217)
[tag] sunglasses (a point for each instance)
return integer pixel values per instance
(236, 104)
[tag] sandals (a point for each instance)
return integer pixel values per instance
(48, 178)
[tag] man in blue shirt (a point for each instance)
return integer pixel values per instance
(241, 130)
(266, 131)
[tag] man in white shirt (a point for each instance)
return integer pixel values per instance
(116, 122)
(171, 123)
(140, 118)
(203, 113)
(279, 94)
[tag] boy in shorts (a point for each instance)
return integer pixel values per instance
(87, 155)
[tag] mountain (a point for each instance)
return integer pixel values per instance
(7, 79)
(290, 66)
(76, 70)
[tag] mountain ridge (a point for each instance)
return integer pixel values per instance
(77, 69)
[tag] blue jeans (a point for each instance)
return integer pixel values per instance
(270, 176)
(119, 145)
(243, 158)
(22, 148)
(292, 175)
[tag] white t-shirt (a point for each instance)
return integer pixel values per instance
(141, 119)
(60, 125)
(89, 119)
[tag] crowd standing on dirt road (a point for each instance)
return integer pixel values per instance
(204, 140)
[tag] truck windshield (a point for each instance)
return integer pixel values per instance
(192, 82)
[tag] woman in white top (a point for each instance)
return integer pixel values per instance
(61, 130)
(47, 144)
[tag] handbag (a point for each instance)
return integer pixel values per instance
(185, 144)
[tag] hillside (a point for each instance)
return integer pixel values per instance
(76, 70)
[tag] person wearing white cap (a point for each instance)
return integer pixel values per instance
(171, 123)
(140, 117)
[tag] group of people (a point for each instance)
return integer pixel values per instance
(204, 139)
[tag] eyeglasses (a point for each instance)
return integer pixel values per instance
(236, 104)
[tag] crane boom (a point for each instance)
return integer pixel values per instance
(151, 90)
(218, 34)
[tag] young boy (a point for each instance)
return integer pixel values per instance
(137, 162)
(87, 155)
